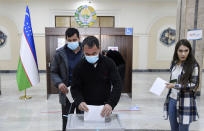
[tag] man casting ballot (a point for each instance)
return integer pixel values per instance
(95, 80)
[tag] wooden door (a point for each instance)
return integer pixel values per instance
(117, 37)
(52, 34)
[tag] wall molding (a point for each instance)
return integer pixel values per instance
(150, 70)
(34, 34)
(140, 35)
(134, 70)
(156, 19)
(43, 34)
(58, 12)
(14, 71)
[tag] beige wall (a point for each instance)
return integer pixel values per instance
(141, 15)
(135, 52)
(40, 51)
(13, 42)
(160, 55)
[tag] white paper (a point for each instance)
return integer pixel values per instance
(69, 95)
(194, 35)
(158, 86)
(94, 114)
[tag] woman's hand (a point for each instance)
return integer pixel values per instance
(170, 85)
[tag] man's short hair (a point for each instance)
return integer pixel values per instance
(71, 31)
(90, 41)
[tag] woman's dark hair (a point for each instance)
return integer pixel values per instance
(90, 41)
(188, 64)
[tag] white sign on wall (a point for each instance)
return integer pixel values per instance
(195, 34)
(114, 48)
(61, 43)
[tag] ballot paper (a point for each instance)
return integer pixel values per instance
(158, 86)
(94, 114)
(69, 95)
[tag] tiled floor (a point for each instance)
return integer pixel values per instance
(40, 114)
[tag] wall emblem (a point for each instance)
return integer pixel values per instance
(3, 38)
(85, 16)
(168, 36)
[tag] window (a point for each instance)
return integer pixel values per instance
(61, 21)
(69, 21)
(106, 21)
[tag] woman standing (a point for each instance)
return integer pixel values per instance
(180, 104)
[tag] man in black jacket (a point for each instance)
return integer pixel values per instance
(93, 77)
(62, 66)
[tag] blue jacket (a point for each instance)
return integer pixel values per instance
(60, 71)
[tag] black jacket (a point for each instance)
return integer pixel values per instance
(96, 85)
(119, 61)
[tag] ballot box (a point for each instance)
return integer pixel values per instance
(76, 123)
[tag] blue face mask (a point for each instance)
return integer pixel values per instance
(92, 59)
(73, 45)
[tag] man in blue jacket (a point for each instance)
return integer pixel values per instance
(62, 66)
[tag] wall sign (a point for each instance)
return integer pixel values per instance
(61, 43)
(195, 34)
(3, 38)
(128, 31)
(168, 36)
(85, 16)
(113, 48)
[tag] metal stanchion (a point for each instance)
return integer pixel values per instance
(25, 97)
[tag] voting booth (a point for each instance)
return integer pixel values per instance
(76, 123)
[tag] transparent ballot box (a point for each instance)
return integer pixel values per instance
(76, 123)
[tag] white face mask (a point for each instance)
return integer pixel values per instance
(92, 59)
(73, 45)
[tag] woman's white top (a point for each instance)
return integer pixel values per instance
(176, 71)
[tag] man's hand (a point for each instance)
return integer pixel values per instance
(63, 88)
(170, 85)
(107, 110)
(83, 107)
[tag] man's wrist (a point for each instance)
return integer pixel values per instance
(58, 84)
(110, 104)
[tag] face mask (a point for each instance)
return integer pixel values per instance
(92, 59)
(73, 45)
